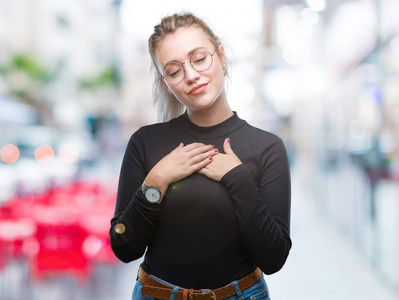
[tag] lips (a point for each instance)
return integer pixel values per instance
(198, 89)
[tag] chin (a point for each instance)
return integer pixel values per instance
(204, 104)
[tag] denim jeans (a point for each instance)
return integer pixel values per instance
(259, 291)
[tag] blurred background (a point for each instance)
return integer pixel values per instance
(75, 84)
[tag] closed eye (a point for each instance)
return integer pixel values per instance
(199, 60)
(174, 73)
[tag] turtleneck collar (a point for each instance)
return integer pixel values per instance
(224, 128)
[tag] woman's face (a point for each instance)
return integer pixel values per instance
(198, 90)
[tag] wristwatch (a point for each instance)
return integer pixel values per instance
(152, 193)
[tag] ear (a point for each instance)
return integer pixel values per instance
(163, 81)
(222, 55)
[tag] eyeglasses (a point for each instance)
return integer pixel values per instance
(201, 60)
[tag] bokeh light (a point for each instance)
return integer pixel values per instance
(44, 154)
(9, 153)
(68, 153)
(92, 245)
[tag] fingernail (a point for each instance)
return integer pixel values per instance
(216, 150)
(228, 140)
(210, 158)
(213, 146)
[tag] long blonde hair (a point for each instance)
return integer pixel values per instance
(168, 106)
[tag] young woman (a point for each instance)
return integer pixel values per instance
(204, 195)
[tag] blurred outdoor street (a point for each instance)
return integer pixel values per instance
(75, 84)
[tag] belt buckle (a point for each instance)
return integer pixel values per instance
(210, 291)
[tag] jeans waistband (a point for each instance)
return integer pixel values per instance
(155, 288)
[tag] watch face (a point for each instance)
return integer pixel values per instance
(153, 194)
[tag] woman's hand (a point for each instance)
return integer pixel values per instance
(222, 163)
(180, 163)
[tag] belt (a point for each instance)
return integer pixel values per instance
(156, 289)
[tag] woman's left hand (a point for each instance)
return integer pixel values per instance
(222, 163)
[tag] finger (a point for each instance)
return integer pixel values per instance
(227, 147)
(203, 163)
(203, 156)
(199, 150)
(193, 146)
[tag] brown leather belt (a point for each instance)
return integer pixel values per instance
(156, 289)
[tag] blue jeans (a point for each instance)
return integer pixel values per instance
(259, 291)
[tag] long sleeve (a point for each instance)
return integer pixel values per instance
(263, 208)
(138, 216)
(205, 233)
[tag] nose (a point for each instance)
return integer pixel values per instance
(192, 74)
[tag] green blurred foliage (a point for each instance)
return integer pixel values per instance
(108, 77)
(29, 65)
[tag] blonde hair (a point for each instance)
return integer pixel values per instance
(168, 107)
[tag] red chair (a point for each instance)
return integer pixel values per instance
(60, 252)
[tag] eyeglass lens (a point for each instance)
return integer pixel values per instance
(201, 60)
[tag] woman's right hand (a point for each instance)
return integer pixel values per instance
(180, 163)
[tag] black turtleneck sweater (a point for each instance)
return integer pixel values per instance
(206, 234)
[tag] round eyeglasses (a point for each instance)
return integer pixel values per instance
(201, 60)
